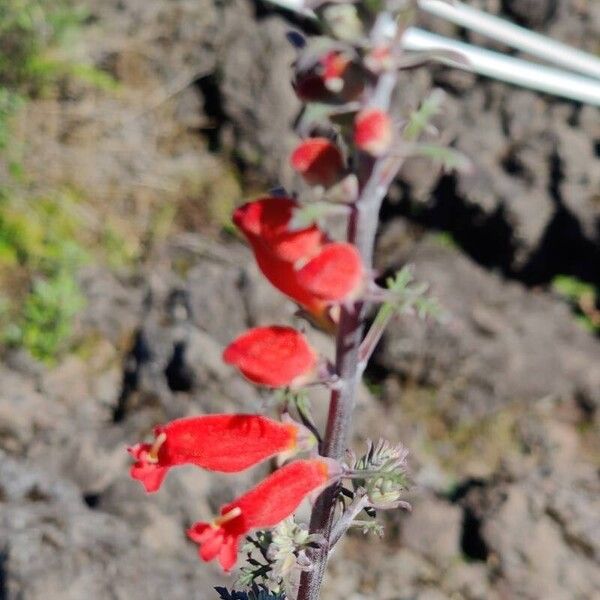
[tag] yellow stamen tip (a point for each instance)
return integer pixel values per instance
(161, 438)
(228, 516)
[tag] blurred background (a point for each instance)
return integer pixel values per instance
(129, 130)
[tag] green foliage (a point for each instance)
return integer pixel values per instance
(420, 119)
(408, 296)
(40, 246)
(46, 319)
(375, 388)
(256, 593)
(446, 239)
(450, 158)
(584, 296)
(40, 254)
(9, 103)
(571, 287)
(27, 29)
(30, 33)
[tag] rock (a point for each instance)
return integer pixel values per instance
(470, 581)
(55, 547)
(497, 344)
(433, 530)
(498, 405)
(531, 13)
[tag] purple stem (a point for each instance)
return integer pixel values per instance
(375, 177)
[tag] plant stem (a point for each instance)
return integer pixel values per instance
(347, 519)
(375, 177)
(341, 407)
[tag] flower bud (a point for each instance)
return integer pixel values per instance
(373, 131)
(319, 161)
(386, 488)
(380, 59)
(332, 78)
(273, 356)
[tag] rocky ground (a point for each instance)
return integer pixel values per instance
(499, 404)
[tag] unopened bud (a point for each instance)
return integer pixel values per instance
(319, 161)
(373, 131)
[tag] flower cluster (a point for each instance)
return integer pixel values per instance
(229, 444)
(318, 274)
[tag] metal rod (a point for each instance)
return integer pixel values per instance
(495, 65)
(514, 36)
(511, 70)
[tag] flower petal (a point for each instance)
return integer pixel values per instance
(335, 274)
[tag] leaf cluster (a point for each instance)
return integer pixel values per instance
(256, 593)
(28, 28)
(40, 254)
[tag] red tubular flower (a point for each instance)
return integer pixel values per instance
(284, 276)
(334, 275)
(265, 222)
(265, 505)
(301, 264)
(224, 443)
(319, 161)
(272, 356)
(373, 131)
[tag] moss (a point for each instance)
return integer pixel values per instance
(40, 255)
(445, 239)
(584, 298)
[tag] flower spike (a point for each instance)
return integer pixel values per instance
(263, 506)
(273, 356)
(224, 443)
(319, 161)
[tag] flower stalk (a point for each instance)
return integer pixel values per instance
(362, 227)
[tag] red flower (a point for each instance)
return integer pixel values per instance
(273, 356)
(299, 263)
(284, 276)
(265, 222)
(335, 274)
(319, 161)
(224, 443)
(373, 131)
(265, 505)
